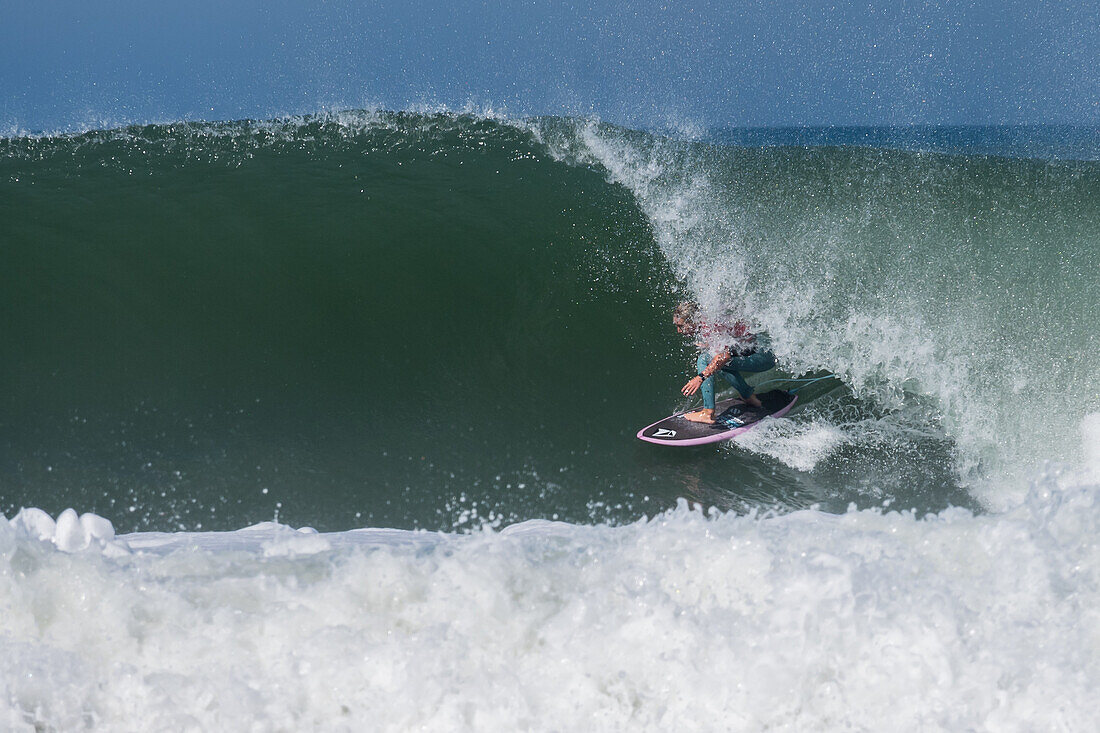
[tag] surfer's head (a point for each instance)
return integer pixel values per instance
(686, 317)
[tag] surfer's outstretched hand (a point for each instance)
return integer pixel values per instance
(692, 386)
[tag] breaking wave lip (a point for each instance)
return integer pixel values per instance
(934, 336)
(870, 619)
(1039, 142)
(350, 120)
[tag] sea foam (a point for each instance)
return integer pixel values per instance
(805, 621)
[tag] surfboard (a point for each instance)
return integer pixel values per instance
(731, 419)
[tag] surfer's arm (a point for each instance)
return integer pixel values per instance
(716, 363)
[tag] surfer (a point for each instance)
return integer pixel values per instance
(735, 349)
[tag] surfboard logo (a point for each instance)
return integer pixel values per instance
(664, 433)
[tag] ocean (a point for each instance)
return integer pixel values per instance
(328, 423)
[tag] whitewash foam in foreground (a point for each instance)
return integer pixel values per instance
(806, 621)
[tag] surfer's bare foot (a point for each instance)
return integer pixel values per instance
(754, 401)
(704, 416)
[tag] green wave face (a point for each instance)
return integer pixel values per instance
(430, 320)
(358, 319)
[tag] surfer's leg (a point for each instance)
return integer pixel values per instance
(761, 361)
(734, 378)
(707, 389)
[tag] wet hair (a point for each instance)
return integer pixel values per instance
(687, 311)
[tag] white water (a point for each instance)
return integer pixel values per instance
(807, 621)
(884, 271)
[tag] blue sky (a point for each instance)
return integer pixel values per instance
(70, 64)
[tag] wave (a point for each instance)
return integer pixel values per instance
(415, 320)
(357, 317)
